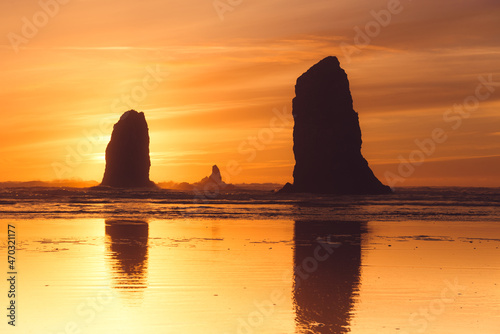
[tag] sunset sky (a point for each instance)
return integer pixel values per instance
(211, 76)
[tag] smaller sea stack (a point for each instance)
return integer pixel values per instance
(214, 181)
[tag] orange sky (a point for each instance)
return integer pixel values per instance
(208, 86)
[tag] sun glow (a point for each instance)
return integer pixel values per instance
(212, 84)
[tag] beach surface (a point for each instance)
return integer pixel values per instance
(104, 267)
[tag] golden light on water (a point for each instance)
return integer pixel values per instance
(202, 276)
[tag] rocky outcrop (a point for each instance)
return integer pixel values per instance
(327, 136)
(127, 154)
(213, 182)
(210, 185)
(215, 177)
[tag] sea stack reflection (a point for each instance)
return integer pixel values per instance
(127, 252)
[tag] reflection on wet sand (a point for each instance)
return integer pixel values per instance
(327, 264)
(127, 253)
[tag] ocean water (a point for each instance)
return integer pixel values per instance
(451, 203)
(422, 260)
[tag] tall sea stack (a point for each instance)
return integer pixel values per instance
(127, 154)
(327, 136)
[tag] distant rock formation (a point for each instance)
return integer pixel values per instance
(127, 154)
(213, 182)
(327, 136)
(215, 177)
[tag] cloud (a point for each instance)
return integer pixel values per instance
(227, 76)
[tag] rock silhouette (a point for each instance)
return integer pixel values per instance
(215, 177)
(327, 136)
(214, 181)
(127, 154)
(209, 185)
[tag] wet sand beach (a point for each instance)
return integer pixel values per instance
(103, 275)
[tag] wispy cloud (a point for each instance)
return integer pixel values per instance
(227, 76)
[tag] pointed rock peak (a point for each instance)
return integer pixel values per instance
(330, 61)
(214, 182)
(324, 68)
(132, 114)
(215, 170)
(215, 176)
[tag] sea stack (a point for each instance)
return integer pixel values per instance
(215, 176)
(327, 136)
(127, 154)
(214, 181)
